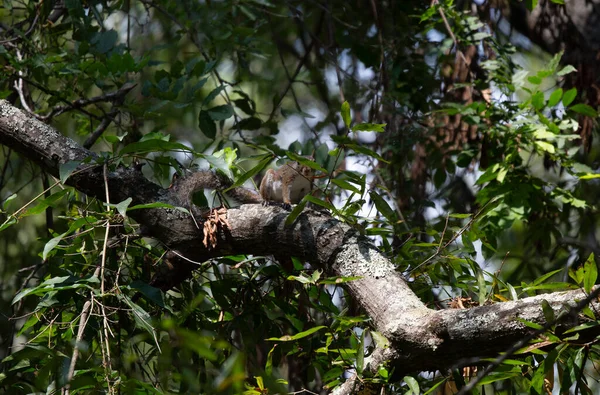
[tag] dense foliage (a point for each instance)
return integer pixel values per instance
(465, 167)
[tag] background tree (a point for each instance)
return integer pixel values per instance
(479, 191)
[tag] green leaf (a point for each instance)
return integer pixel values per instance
(150, 292)
(264, 162)
(568, 69)
(584, 109)
(151, 205)
(589, 176)
(548, 311)
(142, 319)
(305, 161)
(251, 123)
(66, 169)
(319, 202)
(413, 385)
(345, 185)
(211, 96)
(360, 353)
(569, 96)
(537, 100)
(296, 211)
(535, 80)
(50, 201)
(346, 114)
(8, 200)
(590, 273)
(122, 207)
(53, 284)
(220, 113)
(555, 97)
(369, 127)
(51, 244)
(366, 151)
(544, 146)
(531, 4)
(297, 336)
(154, 145)
(8, 223)
(339, 280)
(383, 207)
(380, 340)
(207, 125)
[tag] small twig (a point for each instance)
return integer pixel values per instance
(115, 96)
(459, 233)
(28, 32)
(82, 324)
(105, 353)
(449, 30)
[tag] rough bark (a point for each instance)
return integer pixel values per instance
(420, 338)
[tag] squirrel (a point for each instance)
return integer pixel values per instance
(287, 185)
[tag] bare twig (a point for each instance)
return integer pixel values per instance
(449, 30)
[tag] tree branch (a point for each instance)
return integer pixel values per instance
(420, 338)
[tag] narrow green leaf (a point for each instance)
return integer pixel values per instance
(298, 335)
(383, 207)
(154, 145)
(589, 176)
(360, 353)
(339, 280)
(568, 69)
(545, 276)
(296, 212)
(319, 202)
(264, 162)
(50, 201)
(8, 223)
(569, 96)
(590, 273)
(305, 161)
(51, 244)
(537, 100)
(548, 311)
(345, 185)
(8, 200)
(211, 96)
(366, 151)
(555, 97)
(346, 114)
(141, 317)
(369, 127)
(150, 205)
(584, 109)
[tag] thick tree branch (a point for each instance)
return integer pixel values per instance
(420, 338)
